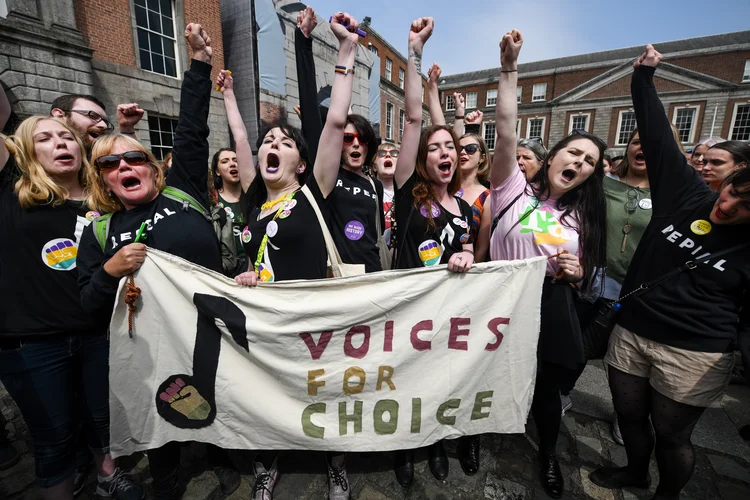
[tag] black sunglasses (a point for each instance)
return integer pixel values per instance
(469, 148)
(392, 152)
(108, 162)
(96, 117)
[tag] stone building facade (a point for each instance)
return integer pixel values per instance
(392, 77)
(704, 84)
(120, 51)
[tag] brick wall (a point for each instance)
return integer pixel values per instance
(621, 88)
(106, 25)
(727, 66)
(730, 113)
(208, 14)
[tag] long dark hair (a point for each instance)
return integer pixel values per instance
(586, 205)
(296, 135)
(218, 181)
(367, 137)
(739, 150)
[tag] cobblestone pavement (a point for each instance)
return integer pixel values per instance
(508, 462)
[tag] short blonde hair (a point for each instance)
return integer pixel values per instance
(35, 187)
(101, 195)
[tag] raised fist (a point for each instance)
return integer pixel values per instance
(649, 58)
(474, 118)
(421, 30)
(433, 74)
(510, 47)
(126, 260)
(247, 279)
(459, 103)
(225, 82)
(307, 21)
(128, 115)
(198, 40)
(344, 27)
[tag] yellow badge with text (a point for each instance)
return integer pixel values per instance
(701, 227)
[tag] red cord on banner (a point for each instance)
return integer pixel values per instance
(130, 297)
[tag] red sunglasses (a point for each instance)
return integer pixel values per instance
(349, 137)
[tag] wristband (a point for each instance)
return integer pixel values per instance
(343, 70)
(468, 251)
(508, 71)
(459, 117)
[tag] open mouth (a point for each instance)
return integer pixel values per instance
(463, 160)
(445, 168)
(387, 164)
(355, 155)
(640, 158)
(272, 162)
(569, 174)
(65, 157)
(130, 183)
(234, 172)
(720, 214)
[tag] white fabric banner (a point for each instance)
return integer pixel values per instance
(390, 360)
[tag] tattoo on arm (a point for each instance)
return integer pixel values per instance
(417, 60)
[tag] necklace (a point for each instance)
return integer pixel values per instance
(270, 204)
(631, 205)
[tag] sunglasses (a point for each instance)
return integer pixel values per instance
(469, 148)
(95, 117)
(109, 162)
(392, 152)
(349, 137)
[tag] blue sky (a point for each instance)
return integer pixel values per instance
(467, 32)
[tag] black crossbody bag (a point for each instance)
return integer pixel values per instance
(597, 332)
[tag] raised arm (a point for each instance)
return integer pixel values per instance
(672, 180)
(419, 33)
(128, 116)
(312, 124)
(332, 139)
(459, 119)
(225, 83)
(190, 152)
(433, 95)
(504, 161)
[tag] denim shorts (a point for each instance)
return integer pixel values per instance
(44, 377)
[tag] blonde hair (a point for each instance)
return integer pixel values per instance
(35, 187)
(483, 167)
(101, 195)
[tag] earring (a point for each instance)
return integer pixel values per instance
(300, 170)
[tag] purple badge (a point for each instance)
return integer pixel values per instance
(434, 210)
(354, 230)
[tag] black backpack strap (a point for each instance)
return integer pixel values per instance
(502, 212)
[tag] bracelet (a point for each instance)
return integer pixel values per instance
(343, 70)
(459, 117)
(468, 251)
(508, 71)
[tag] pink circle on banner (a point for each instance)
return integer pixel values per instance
(354, 230)
(434, 210)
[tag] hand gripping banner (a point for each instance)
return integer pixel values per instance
(390, 360)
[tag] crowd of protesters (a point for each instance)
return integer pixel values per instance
(657, 237)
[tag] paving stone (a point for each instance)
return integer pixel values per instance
(733, 491)
(18, 478)
(591, 490)
(370, 493)
(729, 468)
(605, 431)
(202, 487)
(716, 432)
(589, 449)
(503, 489)
(515, 466)
(626, 495)
(618, 456)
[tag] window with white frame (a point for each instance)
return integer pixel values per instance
(539, 92)
(746, 73)
(161, 129)
(423, 93)
(154, 20)
(449, 104)
(373, 49)
(489, 135)
(684, 119)
(388, 69)
(579, 121)
(740, 130)
(401, 75)
(401, 120)
(625, 126)
(471, 100)
(519, 92)
(389, 121)
(535, 128)
(491, 97)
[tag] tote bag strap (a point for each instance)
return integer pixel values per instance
(334, 258)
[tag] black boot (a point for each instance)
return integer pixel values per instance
(551, 476)
(404, 467)
(619, 477)
(438, 461)
(468, 454)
